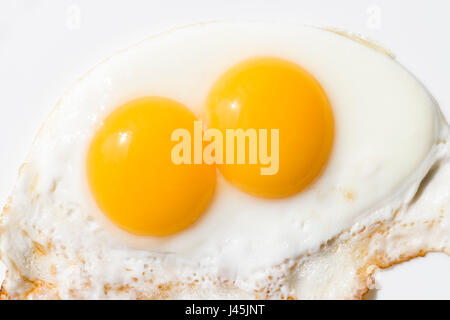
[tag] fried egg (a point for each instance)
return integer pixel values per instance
(101, 211)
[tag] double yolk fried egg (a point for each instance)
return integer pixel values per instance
(342, 169)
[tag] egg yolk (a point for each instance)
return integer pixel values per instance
(131, 174)
(272, 93)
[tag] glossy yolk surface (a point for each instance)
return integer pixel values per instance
(131, 174)
(272, 93)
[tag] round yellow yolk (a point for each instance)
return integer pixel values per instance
(271, 93)
(131, 174)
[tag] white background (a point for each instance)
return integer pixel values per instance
(45, 45)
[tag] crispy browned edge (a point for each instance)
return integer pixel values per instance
(364, 273)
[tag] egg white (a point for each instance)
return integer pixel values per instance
(389, 133)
